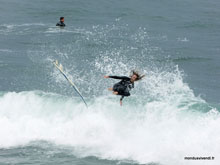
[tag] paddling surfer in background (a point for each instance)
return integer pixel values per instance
(61, 23)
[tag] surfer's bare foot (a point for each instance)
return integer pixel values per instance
(115, 93)
(120, 103)
(110, 89)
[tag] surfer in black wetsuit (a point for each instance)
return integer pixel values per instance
(61, 23)
(125, 85)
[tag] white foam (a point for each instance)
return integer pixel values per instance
(183, 39)
(154, 132)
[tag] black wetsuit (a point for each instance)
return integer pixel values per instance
(124, 86)
(60, 24)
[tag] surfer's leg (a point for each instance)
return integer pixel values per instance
(110, 89)
(123, 95)
(126, 94)
(115, 89)
(114, 92)
(121, 100)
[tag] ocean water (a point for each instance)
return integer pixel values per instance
(171, 114)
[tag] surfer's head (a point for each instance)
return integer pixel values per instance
(135, 76)
(61, 19)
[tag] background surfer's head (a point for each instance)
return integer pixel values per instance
(135, 76)
(61, 19)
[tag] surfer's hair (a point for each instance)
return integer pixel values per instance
(139, 76)
(61, 18)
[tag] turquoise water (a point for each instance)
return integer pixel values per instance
(171, 114)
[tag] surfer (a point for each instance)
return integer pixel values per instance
(125, 85)
(61, 23)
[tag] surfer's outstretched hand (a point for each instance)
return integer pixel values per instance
(106, 76)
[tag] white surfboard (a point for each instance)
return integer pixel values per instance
(60, 68)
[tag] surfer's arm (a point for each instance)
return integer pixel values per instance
(119, 77)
